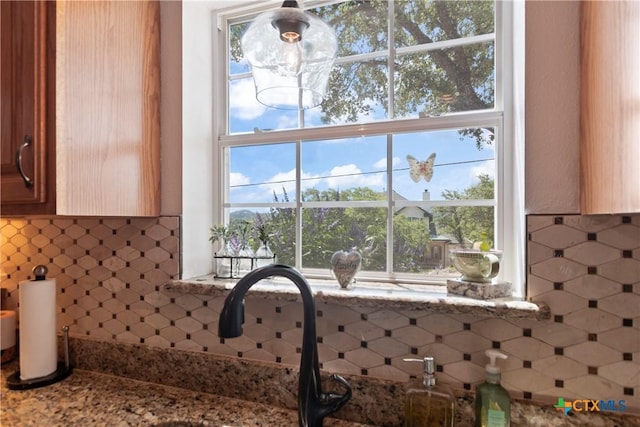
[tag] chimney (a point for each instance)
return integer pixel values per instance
(426, 196)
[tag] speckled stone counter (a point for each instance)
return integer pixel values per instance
(89, 399)
(409, 297)
(117, 384)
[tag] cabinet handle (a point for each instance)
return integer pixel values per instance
(28, 182)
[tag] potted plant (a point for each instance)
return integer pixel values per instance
(222, 235)
(477, 265)
(264, 254)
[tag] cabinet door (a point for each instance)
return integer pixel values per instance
(610, 107)
(23, 128)
(108, 108)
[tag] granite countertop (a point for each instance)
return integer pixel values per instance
(91, 399)
(118, 384)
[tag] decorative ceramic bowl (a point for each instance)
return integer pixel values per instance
(476, 266)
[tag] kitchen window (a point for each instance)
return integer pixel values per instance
(411, 154)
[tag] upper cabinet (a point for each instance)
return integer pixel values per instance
(27, 87)
(610, 107)
(108, 108)
(106, 115)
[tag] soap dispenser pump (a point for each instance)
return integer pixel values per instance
(493, 403)
(432, 404)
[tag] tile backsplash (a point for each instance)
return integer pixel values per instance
(110, 274)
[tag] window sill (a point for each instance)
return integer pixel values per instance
(404, 297)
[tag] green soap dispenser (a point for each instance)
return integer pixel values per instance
(432, 405)
(493, 403)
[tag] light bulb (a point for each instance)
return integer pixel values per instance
(290, 62)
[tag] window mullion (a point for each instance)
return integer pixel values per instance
(391, 60)
(444, 122)
(390, 203)
(391, 114)
(298, 248)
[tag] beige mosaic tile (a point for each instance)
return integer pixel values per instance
(623, 236)
(558, 269)
(389, 347)
(537, 286)
(623, 339)
(465, 372)
(622, 270)
(558, 236)
(592, 253)
(624, 305)
(467, 342)
(561, 302)
(588, 386)
(413, 336)
(110, 273)
(591, 223)
(624, 373)
(526, 380)
(496, 329)
(592, 320)
(440, 324)
(527, 348)
(592, 287)
(364, 358)
(559, 367)
(592, 353)
(538, 222)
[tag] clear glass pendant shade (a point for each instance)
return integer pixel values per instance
(291, 54)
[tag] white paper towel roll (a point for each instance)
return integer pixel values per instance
(7, 329)
(38, 342)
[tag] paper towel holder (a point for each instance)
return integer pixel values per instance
(14, 382)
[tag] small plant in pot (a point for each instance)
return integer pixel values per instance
(477, 265)
(262, 231)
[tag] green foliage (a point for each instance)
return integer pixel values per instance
(410, 238)
(326, 230)
(468, 224)
(454, 79)
(443, 80)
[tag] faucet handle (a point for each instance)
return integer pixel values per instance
(335, 400)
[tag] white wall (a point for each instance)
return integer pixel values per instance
(197, 138)
(552, 155)
(171, 107)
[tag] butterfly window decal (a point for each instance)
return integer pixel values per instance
(418, 169)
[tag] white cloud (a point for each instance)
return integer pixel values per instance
(236, 178)
(486, 168)
(287, 121)
(243, 103)
(350, 175)
(276, 183)
(382, 163)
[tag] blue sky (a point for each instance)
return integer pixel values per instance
(347, 163)
(258, 171)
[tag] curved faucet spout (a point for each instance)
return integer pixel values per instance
(313, 403)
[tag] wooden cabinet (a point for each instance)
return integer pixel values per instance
(107, 107)
(27, 75)
(610, 107)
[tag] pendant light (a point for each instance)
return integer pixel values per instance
(291, 53)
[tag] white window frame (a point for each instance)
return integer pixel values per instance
(510, 191)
